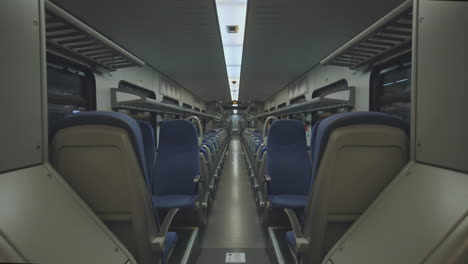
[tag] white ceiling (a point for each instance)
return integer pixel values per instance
(286, 38)
(178, 37)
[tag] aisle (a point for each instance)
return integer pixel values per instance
(233, 224)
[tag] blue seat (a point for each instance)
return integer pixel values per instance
(149, 146)
(177, 167)
(287, 165)
(378, 143)
(175, 201)
(149, 140)
(83, 140)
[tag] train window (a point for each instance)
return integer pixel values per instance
(186, 106)
(341, 84)
(71, 88)
(281, 105)
(196, 109)
(203, 111)
(391, 88)
(299, 99)
(273, 108)
(168, 100)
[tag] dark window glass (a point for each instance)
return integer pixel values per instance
(299, 99)
(171, 101)
(71, 88)
(282, 105)
(391, 89)
(187, 106)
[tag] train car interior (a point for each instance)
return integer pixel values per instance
(234, 131)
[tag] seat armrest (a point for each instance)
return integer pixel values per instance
(197, 178)
(301, 241)
(158, 242)
(296, 226)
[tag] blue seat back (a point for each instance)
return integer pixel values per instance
(177, 160)
(313, 136)
(149, 140)
(288, 162)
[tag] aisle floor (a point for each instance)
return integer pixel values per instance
(233, 225)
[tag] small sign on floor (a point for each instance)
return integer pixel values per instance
(235, 257)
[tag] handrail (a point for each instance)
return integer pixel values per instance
(265, 138)
(200, 128)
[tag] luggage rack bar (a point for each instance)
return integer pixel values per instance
(392, 33)
(145, 104)
(322, 102)
(68, 35)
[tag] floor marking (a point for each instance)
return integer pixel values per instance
(235, 257)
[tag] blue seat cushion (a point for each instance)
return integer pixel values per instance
(174, 201)
(288, 200)
(169, 245)
(291, 241)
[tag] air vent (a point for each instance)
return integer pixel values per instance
(232, 29)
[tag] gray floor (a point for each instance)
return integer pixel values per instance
(233, 224)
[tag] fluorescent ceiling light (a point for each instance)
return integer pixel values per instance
(232, 13)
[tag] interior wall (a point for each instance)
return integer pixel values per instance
(321, 76)
(146, 77)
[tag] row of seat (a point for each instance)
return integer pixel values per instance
(324, 188)
(111, 161)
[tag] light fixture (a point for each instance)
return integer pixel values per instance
(232, 29)
(231, 16)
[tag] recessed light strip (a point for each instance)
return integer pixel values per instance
(231, 15)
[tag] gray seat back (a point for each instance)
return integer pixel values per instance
(355, 156)
(99, 155)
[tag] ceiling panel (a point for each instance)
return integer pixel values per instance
(178, 37)
(284, 39)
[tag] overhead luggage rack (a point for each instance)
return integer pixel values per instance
(136, 102)
(391, 34)
(68, 35)
(324, 101)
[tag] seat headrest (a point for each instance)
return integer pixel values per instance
(327, 125)
(114, 119)
(286, 132)
(177, 133)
